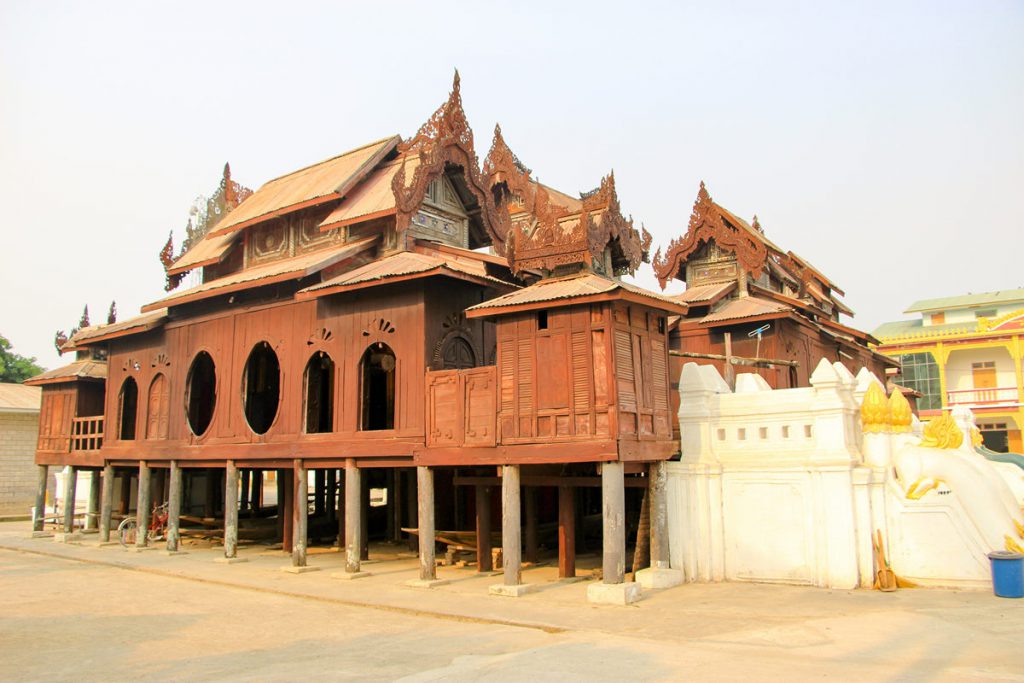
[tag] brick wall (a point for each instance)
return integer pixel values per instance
(18, 433)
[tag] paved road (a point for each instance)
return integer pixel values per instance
(68, 619)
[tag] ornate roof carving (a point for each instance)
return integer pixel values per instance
(708, 222)
(444, 139)
(547, 234)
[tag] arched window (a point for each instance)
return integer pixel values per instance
(378, 388)
(457, 355)
(200, 393)
(319, 382)
(261, 387)
(157, 408)
(128, 403)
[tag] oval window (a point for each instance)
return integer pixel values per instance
(200, 393)
(261, 387)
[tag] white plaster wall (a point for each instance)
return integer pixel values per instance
(959, 374)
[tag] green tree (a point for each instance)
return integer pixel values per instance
(13, 367)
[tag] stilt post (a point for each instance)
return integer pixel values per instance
(42, 472)
(106, 502)
(353, 517)
(230, 510)
(142, 507)
(425, 488)
(301, 515)
(613, 492)
(70, 485)
(511, 534)
(92, 517)
(174, 509)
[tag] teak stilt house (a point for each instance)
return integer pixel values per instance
(347, 323)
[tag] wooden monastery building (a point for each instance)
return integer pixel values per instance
(399, 317)
(348, 323)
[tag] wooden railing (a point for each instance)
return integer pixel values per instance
(87, 433)
(983, 397)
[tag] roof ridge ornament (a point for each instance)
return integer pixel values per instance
(445, 139)
(707, 222)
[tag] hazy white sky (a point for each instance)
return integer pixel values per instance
(883, 142)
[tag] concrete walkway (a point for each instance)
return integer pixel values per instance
(708, 632)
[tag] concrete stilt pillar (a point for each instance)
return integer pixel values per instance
(174, 509)
(301, 515)
(350, 514)
(230, 510)
(142, 507)
(511, 525)
(511, 536)
(484, 560)
(428, 562)
(106, 503)
(40, 510)
(613, 588)
(353, 517)
(613, 493)
(425, 487)
(70, 485)
(659, 574)
(92, 518)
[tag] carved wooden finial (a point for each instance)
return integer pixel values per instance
(702, 193)
(757, 225)
(456, 81)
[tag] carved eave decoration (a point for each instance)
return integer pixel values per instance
(445, 140)
(707, 223)
(551, 235)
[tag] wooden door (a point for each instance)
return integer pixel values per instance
(984, 374)
(157, 408)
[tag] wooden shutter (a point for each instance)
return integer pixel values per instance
(480, 395)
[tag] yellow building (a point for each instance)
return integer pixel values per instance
(966, 350)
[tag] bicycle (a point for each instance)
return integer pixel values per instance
(128, 529)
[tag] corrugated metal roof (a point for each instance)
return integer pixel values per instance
(330, 179)
(372, 197)
(1006, 296)
(277, 271)
(402, 264)
(745, 307)
(209, 250)
(80, 369)
(575, 286)
(139, 323)
(704, 293)
(18, 398)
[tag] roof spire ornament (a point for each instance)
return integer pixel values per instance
(757, 225)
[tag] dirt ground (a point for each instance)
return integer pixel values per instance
(79, 612)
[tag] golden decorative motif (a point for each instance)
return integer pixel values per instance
(874, 411)
(942, 432)
(900, 414)
(916, 491)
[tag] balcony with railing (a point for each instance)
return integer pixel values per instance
(87, 433)
(991, 397)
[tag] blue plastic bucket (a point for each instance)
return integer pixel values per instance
(1007, 574)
